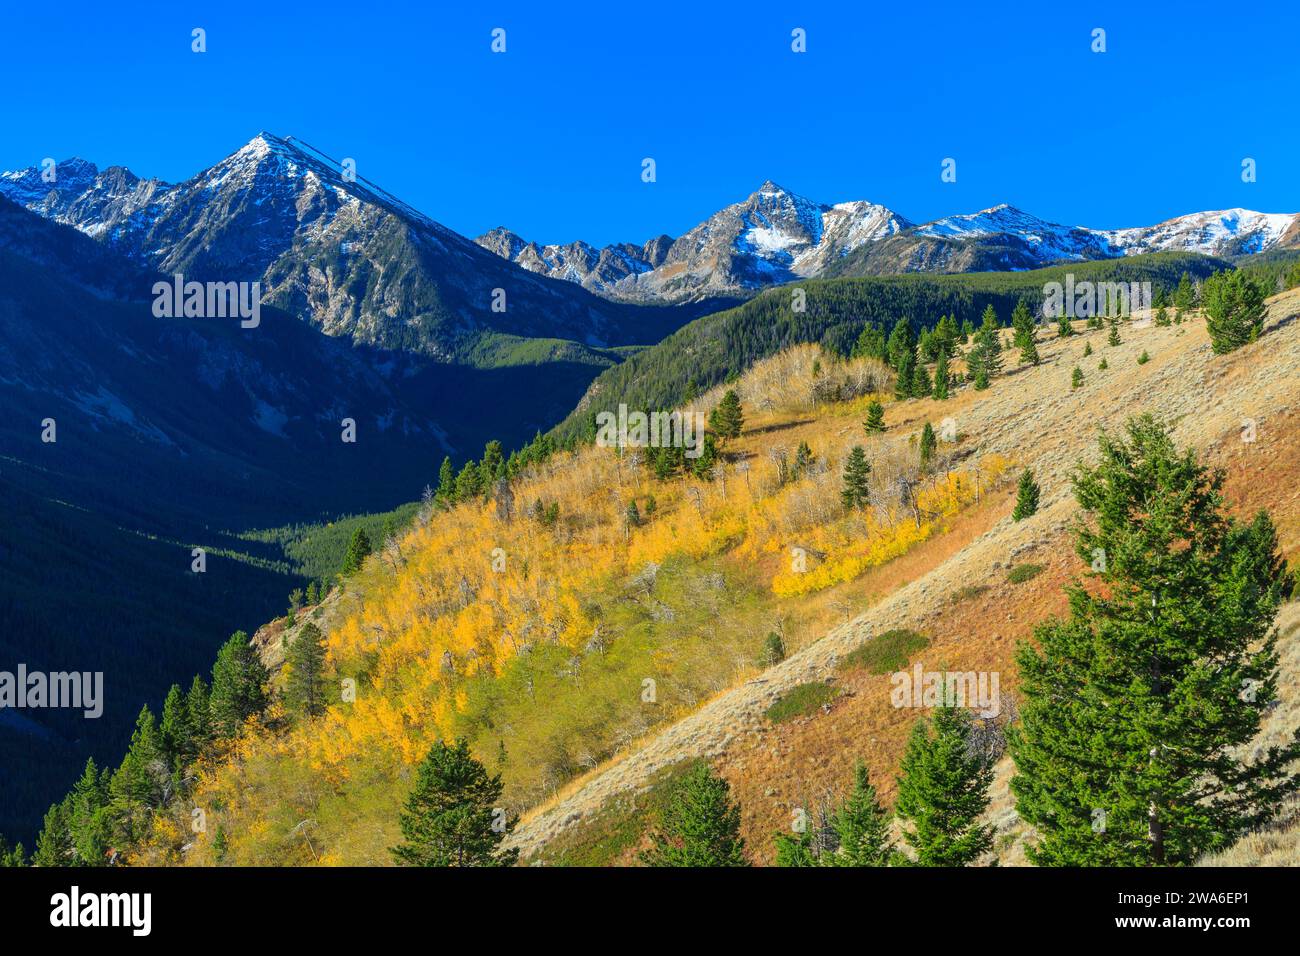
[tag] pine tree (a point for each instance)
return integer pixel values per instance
(468, 484)
(941, 378)
(803, 460)
(1184, 295)
(1162, 316)
(446, 481)
(862, 826)
(985, 359)
(1029, 353)
(1234, 310)
(728, 418)
(1113, 339)
(1063, 327)
(856, 494)
(453, 816)
(86, 820)
(875, 422)
(921, 385)
(198, 714)
(699, 824)
(238, 685)
(358, 551)
(1026, 497)
(633, 515)
(871, 343)
(702, 466)
(174, 730)
(928, 444)
(1076, 379)
(903, 380)
(312, 597)
(1087, 349)
(1139, 710)
(942, 790)
(1022, 321)
(136, 788)
(967, 330)
(901, 343)
(305, 687)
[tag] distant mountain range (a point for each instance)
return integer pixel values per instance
(776, 236)
(330, 247)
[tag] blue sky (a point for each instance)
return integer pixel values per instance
(548, 138)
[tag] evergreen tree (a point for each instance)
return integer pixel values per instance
(921, 385)
(453, 816)
(492, 466)
(468, 485)
(238, 685)
(1162, 316)
(174, 730)
(1114, 336)
(928, 443)
(728, 418)
(856, 493)
(1029, 353)
(702, 466)
(446, 481)
(795, 850)
(1184, 295)
(86, 819)
(137, 787)
(945, 338)
(358, 550)
(1234, 310)
(1026, 497)
(941, 374)
(1076, 379)
(862, 826)
(985, 360)
(305, 687)
(14, 856)
(198, 714)
(1087, 349)
(633, 515)
(871, 343)
(967, 330)
(1139, 709)
(875, 422)
(901, 343)
(803, 460)
(312, 596)
(942, 790)
(1022, 321)
(699, 824)
(1063, 327)
(903, 380)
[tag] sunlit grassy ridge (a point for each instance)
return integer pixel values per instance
(553, 646)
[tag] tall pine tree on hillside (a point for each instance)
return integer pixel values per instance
(358, 550)
(305, 687)
(1139, 709)
(238, 685)
(728, 418)
(699, 824)
(856, 493)
(941, 374)
(453, 817)
(942, 790)
(1026, 497)
(875, 422)
(1234, 310)
(862, 826)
